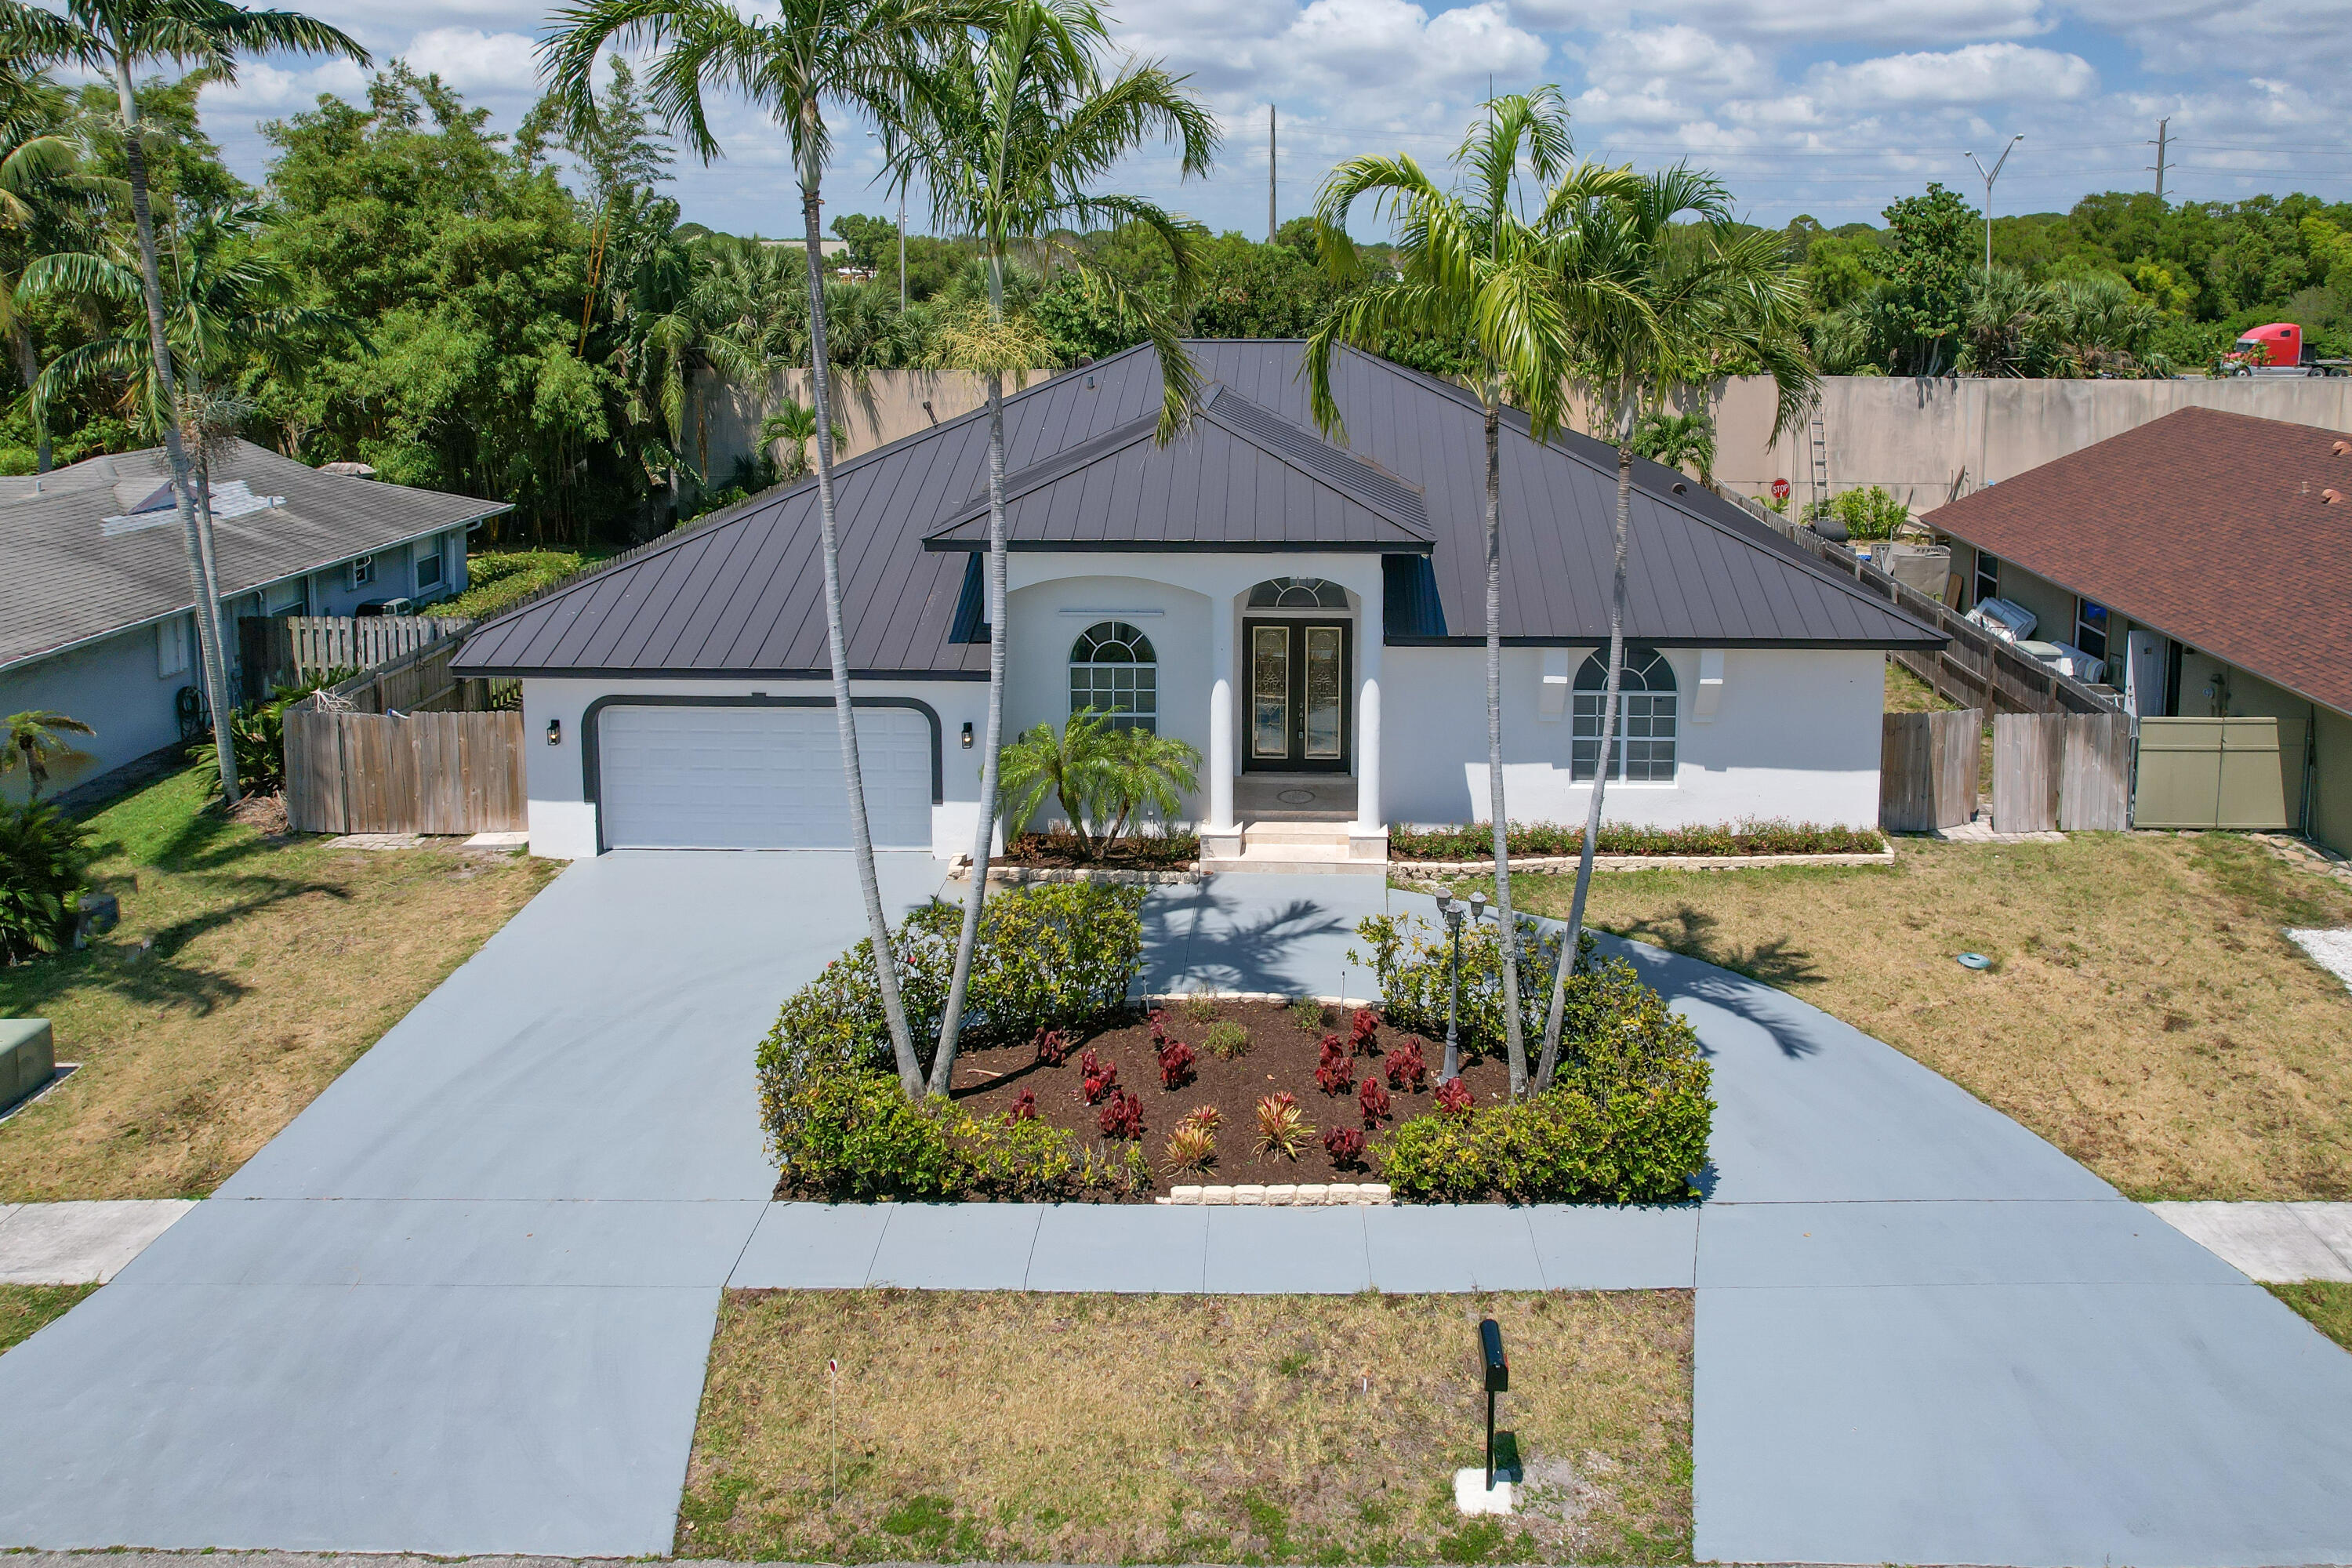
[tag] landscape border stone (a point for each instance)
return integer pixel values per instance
(1638, 863)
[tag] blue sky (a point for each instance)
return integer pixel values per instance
(1830, 107)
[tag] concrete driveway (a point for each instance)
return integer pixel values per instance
(462, 1304)
(489, 1335)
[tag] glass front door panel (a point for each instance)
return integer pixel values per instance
(1326, 705)
(1270, 692)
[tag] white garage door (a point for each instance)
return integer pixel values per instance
(758, 778)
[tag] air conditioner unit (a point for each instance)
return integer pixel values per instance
(2003, 618)
(361, 571)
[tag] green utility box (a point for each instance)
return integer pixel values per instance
(28, 1058)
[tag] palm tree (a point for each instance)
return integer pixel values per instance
(1674, 294)
(1471, 272)
(32, 739)
(1675, 439)
(1009, 134)
(36, 162)
(794, 425)
(791, 59)
(114, 38)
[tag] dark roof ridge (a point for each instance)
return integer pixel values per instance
(744, 511)
(1045, 471)
(1415, 520)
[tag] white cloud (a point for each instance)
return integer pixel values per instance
(263, 88)
(1873, 21)
(474, 61)
(1980, 73)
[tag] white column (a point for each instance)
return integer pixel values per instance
(1221, 718)
(1368, 724)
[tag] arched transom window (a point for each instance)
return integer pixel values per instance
(1298, 593)
(1642, 750)
(1114, 671)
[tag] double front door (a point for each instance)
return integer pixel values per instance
(1298, 695)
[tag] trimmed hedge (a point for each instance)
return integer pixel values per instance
(856, 1136)
(1627, 1119)
(1054, 956)
(1476, 841)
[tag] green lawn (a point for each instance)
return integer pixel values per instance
(2328, 1305)
(247, 974)
(27, 1310)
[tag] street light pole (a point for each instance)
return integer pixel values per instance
(1452, 913)
(1990, 176)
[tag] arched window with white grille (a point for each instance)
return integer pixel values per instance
(1643, 749)
(1114, 671)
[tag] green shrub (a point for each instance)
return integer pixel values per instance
(1227, 1040)
(856, 1136)
(1054, 956)
(258, 735)
(1411, 955)
(1627, 1119)
(497, 579)
(44, 857)
(1475, 840)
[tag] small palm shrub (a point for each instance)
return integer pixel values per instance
(258, 735)
(1282, 1128)
(1227, 1040)
(45, 857)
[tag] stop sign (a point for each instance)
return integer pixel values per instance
(1780, 489)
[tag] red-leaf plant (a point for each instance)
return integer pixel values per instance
(1159, 1027)
(1345, 1144)
(1101, 1077)
(1176, 1061)
(1024, 1109)
(1123, 1117)
(1364, 1032)
(1052, 1047)
(1335, 1073)
(1408, 1068)
(1454, 1098)
(1374, 1103)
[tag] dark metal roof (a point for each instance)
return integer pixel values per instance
(742, 593)
(96, 547)
(1241, 478)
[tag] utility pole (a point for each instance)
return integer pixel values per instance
(1269, 174)
(2162, 136)
(1990, 176)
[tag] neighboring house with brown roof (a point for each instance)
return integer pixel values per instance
(1307, 614)
(2207, 558)
(97, 615)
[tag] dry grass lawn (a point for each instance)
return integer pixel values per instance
(1186, 1429)
(2143, 1012)
(27, 1310)
(273, 965)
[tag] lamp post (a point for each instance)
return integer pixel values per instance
(1990, 176)
(1452, 913)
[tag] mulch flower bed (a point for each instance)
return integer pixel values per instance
(1277, 1054)
(1067, 851)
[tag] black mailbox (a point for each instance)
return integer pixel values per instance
(1490, 1345)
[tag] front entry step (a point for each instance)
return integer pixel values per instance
(1296, 847)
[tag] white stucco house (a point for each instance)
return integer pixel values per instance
(1308, 612)
(96, 610)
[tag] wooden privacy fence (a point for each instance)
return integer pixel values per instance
(1928, 769)
(2069, 772)
(278, 650)
(1976, 668)
(402, 772)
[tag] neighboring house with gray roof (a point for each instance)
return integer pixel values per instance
(97, 614)
(1307, 612)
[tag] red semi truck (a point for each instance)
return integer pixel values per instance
(2278, 350)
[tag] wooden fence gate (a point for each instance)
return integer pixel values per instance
(1928, 769)
(2069, 772)
(402, 772)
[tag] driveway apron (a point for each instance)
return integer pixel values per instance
(463, 1302)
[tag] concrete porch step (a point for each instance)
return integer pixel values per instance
(1294, 848)
(1292, 863)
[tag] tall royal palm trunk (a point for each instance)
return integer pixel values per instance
(1506, 930)
(968, 940)
(207, 607)
(886, 969)
(1599, 774)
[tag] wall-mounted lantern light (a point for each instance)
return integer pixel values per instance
(967, 734)
(555, 732)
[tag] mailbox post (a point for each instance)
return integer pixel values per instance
(1499, 1381)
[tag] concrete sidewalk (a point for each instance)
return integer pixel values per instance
(83, 1243)
(2280, 1243)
